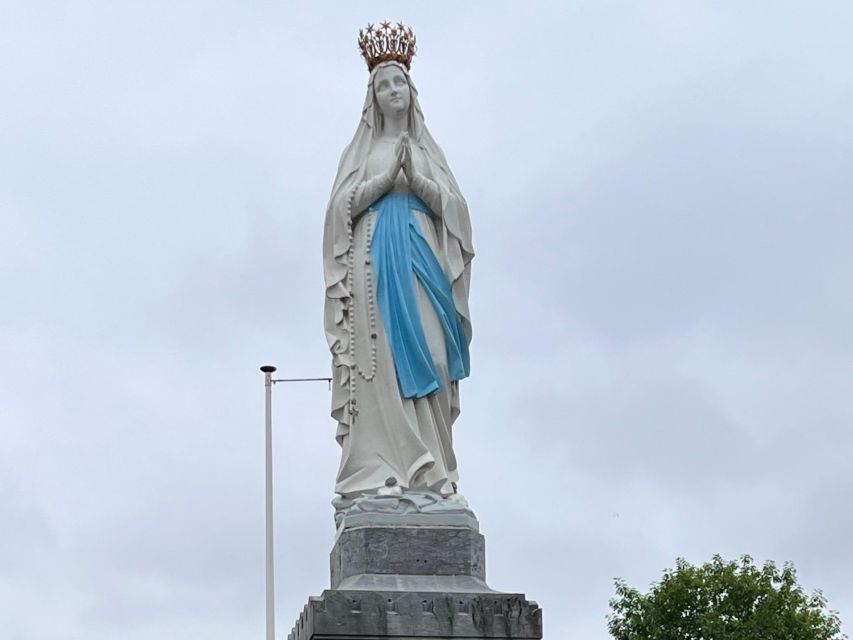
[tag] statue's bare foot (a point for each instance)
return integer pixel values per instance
(391, 488)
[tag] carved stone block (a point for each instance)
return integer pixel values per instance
(409, 551)
(378, 615)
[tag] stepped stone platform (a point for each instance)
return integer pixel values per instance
(414, 581)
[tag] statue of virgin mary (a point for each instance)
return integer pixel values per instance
(397, 257)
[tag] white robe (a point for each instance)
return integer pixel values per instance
(382, 434)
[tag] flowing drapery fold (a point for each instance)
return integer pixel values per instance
(402, 254)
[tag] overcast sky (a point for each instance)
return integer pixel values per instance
(662, 201)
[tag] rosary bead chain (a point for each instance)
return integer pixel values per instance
(371, 305)
(355, 369)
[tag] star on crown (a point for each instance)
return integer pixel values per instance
(387, 42)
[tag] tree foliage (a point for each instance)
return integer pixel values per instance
(723, 600)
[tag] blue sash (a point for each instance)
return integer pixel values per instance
(400, 253)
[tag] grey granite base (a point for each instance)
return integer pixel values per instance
(424, 582)
(409, 551)
(371, 615)
(403, 582)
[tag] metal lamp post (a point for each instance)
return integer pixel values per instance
(268, 371)
(269, 381)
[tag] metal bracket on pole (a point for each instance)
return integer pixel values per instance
(329, 380)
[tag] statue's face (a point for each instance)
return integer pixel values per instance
(392, 91)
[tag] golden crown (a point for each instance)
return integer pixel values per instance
(387, 42)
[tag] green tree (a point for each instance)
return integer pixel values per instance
(723, 600)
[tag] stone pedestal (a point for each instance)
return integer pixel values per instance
(405, 615)
(414, 582)
(415, 555)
